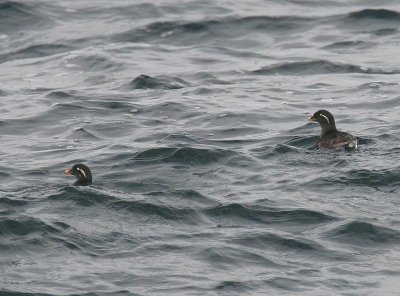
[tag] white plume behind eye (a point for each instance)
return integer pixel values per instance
(83, 173)
(324, 116)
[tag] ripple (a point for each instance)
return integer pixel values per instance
(198, 156)
(181, 31)
(267, 152)
(364, 234)
(380, 22)
(83, 197)
(22, 226)
(12, 202)
(84, 133)
(375, 14)
(234, 286)
(157, 82)
(363, 177)
(189, 197)
(374, 178)
(184, 155)
(145, 208)
(319, 67)
(62, 94)
(343, 45)
(35, 51)
(7, 292)
(239, 212)
(95, 63)
(229, 256)
(268, 240)
(16, 15)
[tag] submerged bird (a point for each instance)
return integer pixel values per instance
(82, 174)
(330, 136)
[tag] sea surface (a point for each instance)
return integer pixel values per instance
(192, 116)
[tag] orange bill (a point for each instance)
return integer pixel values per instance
(68, 171)
(312, 118)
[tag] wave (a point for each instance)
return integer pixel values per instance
(375, 14)
(76, 100)
(185, 196)
(295, 145)
(373, 178)
(363, 234)
(182, 31)
(62, 94)
(7, 292)
(156, 82)
(363, 177)
(318, 67)
(237, 212)
(16, 15)
(269, 240)
(23, 225)
(12, 202)
(187, 155)
(48, 118)
(198, 156)
(378, 22)
(95, 63)
(184, 155)
(190, 207)
(141, 10)
(357, 44)
(228, 256)
(83, 133)
(149, 208)
(191, 32)
(35, 51)
(267, 152)
(234, 287)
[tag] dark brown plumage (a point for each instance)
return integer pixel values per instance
(330, 136)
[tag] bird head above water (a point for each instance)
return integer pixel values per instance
(82, 173)
(325, 119)
(330, 136)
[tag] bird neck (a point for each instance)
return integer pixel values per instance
(326, 129)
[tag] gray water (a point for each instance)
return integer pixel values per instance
(192, 116)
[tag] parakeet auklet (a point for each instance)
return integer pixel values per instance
(82, 174)
(330, 136)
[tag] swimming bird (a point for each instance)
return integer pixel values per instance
(330, 136)
(82, 174)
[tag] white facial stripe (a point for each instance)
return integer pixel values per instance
(83, 173)
(326, 117)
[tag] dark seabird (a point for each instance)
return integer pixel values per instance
(330, 136)
(82, 174)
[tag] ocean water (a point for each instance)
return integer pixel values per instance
(192, 116)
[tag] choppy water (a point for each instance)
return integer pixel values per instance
(192, 117)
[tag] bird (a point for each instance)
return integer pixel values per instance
(330, 137)
(82, 174)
